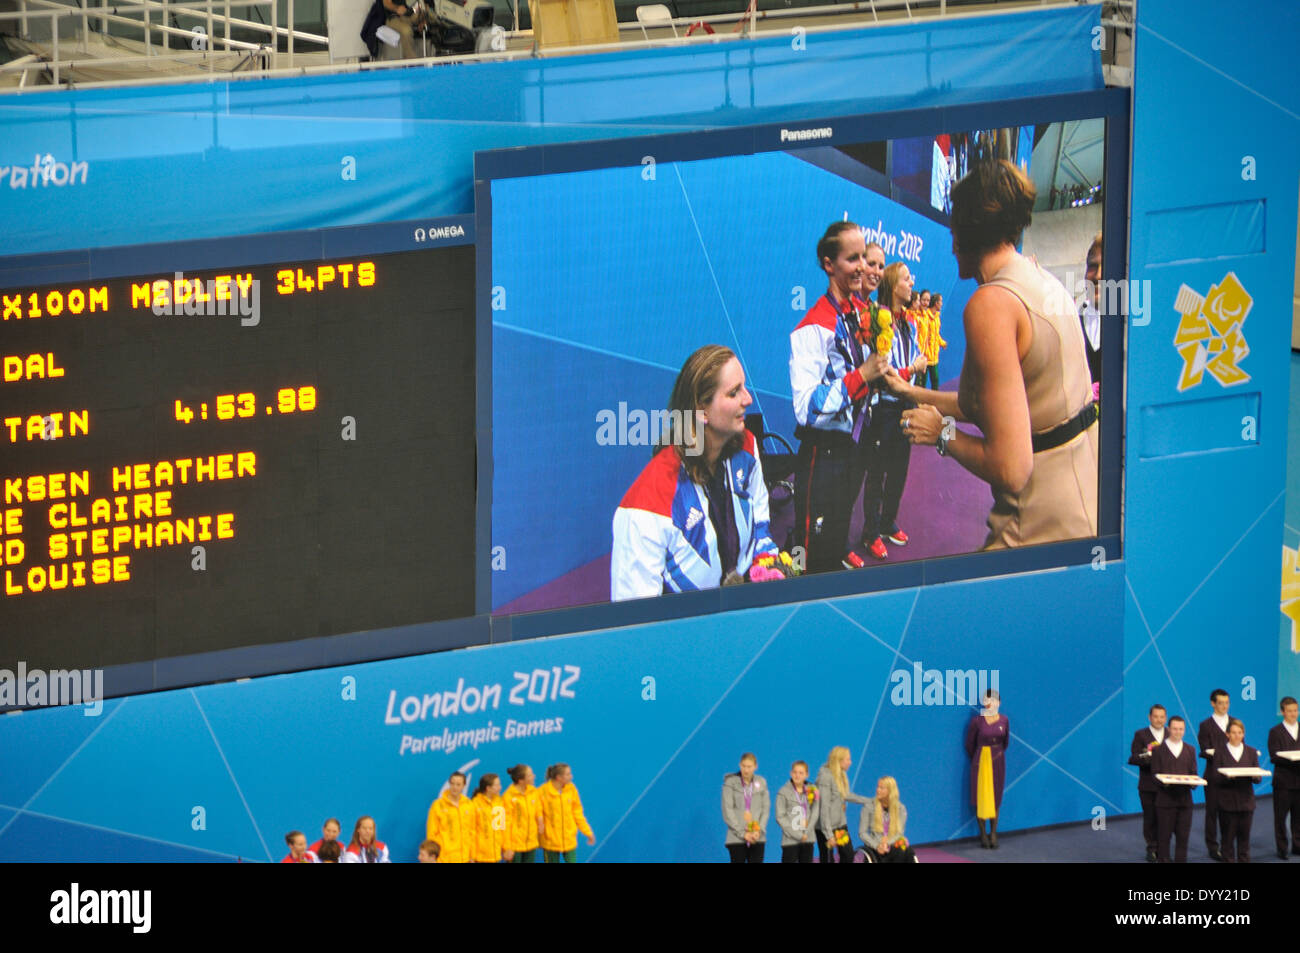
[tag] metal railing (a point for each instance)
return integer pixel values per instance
(153, 18)
(265, 60)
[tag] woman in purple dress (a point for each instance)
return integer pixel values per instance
(987, 738)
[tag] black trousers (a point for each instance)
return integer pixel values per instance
(1173, 822)
(1211, 817)
(1148, 799)
(746, 853)
(1286, 801)
(825, 849)
(797, 854)
(888, 453)
(823, 496)
(1236, 835)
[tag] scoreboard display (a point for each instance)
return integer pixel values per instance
(193, 461)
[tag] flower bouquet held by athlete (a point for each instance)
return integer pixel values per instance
(1024, 380)
(696, 517)
(831, 371)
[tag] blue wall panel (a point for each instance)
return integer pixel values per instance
(226, 770)
(1202, 529)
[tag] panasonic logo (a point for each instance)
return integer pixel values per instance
(803, 135)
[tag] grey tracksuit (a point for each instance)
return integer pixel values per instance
(789, 814)
(733, 807)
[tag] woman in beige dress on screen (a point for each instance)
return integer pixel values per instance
(1024, 381)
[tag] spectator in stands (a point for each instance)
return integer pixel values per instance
(364, 848)
(452, 822)
(428, 853)
(745, 806)
(330, 852)
(884, 819)
(489, 820)
(400, 17)
(329, 832)
(832, 821)
(1025, 379)
(888, 452)
(562, 816)
(523, 805)
(797, 807)
(298, 852)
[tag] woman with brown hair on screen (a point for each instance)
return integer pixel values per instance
(697, 516)
(1024, 381)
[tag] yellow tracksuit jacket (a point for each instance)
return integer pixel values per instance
(562, 817)
(452, 826)
(522, 812)
(489, 828)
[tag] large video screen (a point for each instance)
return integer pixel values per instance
(738, 368)
(234, 455)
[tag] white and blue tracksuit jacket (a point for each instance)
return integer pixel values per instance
(664, 540)
(824, 359)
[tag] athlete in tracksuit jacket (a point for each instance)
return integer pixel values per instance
(664, 538)
(830, 408)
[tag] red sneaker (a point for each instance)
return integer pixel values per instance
(878, 549)
(898, 538)
(852, 561)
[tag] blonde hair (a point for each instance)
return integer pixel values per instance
(892, 805)
(835, 761)
(885, 292)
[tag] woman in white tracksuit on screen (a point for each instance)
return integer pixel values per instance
(697, 515)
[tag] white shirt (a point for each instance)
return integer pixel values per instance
(1222, 722)
(1091, 324)
(1175, 747)
(1236, 751)
(1157, 733)
(1292, 730)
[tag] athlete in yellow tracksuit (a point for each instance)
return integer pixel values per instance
(452, 823)
(562, 817)
(523, 805)
(490, 821)
(930, 340)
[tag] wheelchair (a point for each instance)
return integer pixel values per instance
(778, 474)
